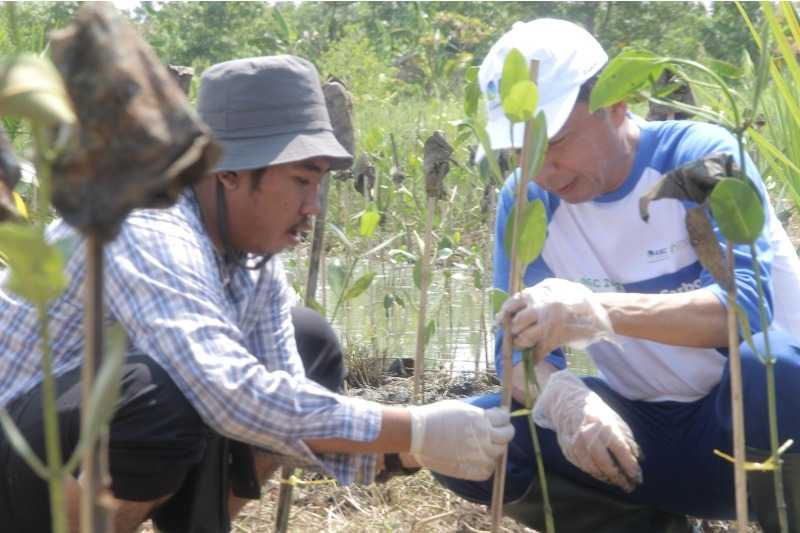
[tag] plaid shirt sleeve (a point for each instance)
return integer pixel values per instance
(164, 287)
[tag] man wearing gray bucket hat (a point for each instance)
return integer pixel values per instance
(216, 370)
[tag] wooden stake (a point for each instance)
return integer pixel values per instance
(515, 282)
(740, 475)
(316, 243)
(94, 517)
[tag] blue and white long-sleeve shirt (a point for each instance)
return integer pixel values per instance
(605, 245)
(224, 334)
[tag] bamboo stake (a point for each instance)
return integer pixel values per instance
(424, 282)
(740, 475)
(515, 282)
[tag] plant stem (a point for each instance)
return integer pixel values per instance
(346, 282)
(424, 281)
(50, 417)
(530, 377)
(769, 362)
(51, 433)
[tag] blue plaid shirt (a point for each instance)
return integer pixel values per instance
(223, 333)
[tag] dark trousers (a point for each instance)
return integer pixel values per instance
(158, 444)
(681, 473)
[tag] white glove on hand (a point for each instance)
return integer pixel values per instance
(459, 440)
(552, 313)
(592, 436)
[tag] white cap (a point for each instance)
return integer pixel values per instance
(568, 56)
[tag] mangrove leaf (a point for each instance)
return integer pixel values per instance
(737, 208)
(36, 267)
(538, 146)
(521, 101)
(533, 230)
(498, 297)
(627, 73)
(515, 70)
(361, 285)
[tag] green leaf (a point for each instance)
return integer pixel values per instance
(723, 69)
(472, 92)
(382, 245)
(31, 87)
(515, 70)
(369, 221)
(417, 274)
(340, 234)
(471, 74)
(533, 230)
(316, 306)
(278, 16)
(444, 254)
(538, 146)
(521, 101)
(486, 144)
(21, 446)
(498, 297)
(106, 387)
(477, 279)
(36, 267)
(445, 242)
(744, 324)
(737, 209)
(625, 75)
(404, 255)
(359, 286)
(430, 329)
(105, 392)
(337, 274)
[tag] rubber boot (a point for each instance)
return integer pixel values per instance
(579, 509)
(762, 492)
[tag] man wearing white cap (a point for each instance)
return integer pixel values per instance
(213, 372)
(631, 449)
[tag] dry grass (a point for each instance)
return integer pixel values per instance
(404, 504)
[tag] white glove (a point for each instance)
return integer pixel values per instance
(459, 440)
(552, 313)
(592, 436)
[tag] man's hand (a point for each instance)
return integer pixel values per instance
(459, 440)
(592, 436)
(552, 313)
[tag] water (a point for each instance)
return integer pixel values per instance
(458, 343)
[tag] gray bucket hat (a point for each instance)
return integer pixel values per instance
(267, 111)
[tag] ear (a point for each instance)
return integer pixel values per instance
(618, 112)
(229, 178)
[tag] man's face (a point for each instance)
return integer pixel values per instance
(273, 215)
(586, 158)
